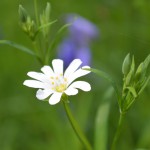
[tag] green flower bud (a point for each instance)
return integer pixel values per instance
(45, 19)
(139, 72)
(142, 70)
(22, 14)
(47, 12)
(126, 64)
(147, 61)
(29, 27)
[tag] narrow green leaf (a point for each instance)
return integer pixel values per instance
(17, 46)
(58, 33)
(55, 39)
(101, 126)
(44, 26)
(107, 77)
(63, 27)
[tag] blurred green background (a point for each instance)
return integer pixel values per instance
(29, 124)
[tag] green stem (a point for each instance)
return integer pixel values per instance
(118, 131)
(37, 53)
(36, 12)
(46, 50)
(76, 127)
(38, 24)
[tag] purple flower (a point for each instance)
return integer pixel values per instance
(77, 43)
(68, 50)
(81, 30)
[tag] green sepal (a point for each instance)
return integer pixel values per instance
(130, 75)
(64, 98)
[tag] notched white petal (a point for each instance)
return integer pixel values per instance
(84, 86)
(71, 91)
(55, 98)
(74, 65)
(79, 73)
(43, 94)
(47, 70)
(34, 84)
(57, 66)
(37, 76)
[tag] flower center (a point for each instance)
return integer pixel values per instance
(59, 83)
(60, 88)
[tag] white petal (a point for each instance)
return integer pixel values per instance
(57, 66)
(34, 84)
(79, 73)
(42, 94)
(38, 76)
(47, 70)
(72, 67)
(71, 91)
(85, 86)
(55, 98)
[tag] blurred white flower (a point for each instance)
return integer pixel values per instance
(55, 82)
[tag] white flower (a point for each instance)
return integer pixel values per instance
(55, 82)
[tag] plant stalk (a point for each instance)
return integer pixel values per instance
(118, 131)
(76, 127)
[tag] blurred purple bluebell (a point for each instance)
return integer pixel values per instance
(77, 43)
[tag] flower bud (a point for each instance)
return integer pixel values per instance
(22, 14)
(45, 19)
(147, 60)
(142, 69)
(126, 64)
(47, 11)
(130, 75)
(139, 72)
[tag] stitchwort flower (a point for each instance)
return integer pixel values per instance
(55, 81)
